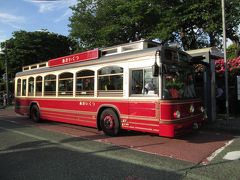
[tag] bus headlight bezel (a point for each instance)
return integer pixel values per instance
(177, 114)
(191, 109)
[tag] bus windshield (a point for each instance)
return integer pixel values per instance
(178, 82)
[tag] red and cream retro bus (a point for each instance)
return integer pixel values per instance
(138, 86)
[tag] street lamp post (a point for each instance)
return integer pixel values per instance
(225, 59)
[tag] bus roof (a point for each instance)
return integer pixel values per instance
(106, 59)
(120, 52)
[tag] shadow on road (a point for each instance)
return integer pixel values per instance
(61, 163)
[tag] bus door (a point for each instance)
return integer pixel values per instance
(143, 100)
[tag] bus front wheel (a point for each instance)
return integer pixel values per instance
(35, 114)
(109, 122)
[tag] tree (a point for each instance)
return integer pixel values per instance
(233, 51)
(26, 48)
(108, 22)
(189, 23)
(194, 24)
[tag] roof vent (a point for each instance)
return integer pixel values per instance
(35, 66)
(129, 47)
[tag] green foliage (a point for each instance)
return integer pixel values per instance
(2, 85)
(194, 24)
(233, 51)
(109, 22)
(26, 48)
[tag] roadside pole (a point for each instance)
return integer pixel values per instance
(225, 60)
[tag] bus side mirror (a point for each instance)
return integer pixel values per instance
(155, 70)
(155, 67)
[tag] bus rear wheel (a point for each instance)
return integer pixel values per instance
(109, 122)
(35, 114)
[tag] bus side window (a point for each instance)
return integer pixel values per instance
(31, 86)
(143, 82)
(137, 81)
(65, 84)
(85, 83)
(19, 87)
(110, 81)
(39, 86)
(50, 85)
(24, 87)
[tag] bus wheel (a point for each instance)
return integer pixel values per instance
(35, 114)
(109, 122)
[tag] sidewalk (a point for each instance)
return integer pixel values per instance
(9, 107)
(9, 110)
(222, 125)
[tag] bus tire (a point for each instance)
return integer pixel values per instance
(35, 114)
(109, 122)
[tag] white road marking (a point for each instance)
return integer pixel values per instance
(234, 155)
(214, 154)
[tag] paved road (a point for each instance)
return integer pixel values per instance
(28, 151)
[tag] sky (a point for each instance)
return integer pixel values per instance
(34, 15)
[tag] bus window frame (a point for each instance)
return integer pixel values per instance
(54, 80)
(65, 92)
(85, 92)
(19, 87)
(176, 59)
(24, 93)
(106, 92)
(178, 67)
(142, 94)
(31, 93)
(39, 93)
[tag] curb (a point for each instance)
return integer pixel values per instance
(223, 126)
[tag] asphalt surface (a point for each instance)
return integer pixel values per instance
(30, 152)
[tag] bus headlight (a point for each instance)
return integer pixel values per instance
(191, 109)
(202, 109)
(177, 114)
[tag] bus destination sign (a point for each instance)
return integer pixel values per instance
(83, 56)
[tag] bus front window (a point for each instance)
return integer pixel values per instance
(177, 83)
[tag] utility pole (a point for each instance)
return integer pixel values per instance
(225, 59)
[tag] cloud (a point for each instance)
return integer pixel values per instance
(63, 17)
(11, 20)
(2, 36)
(51, 5)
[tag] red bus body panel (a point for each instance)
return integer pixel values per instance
(171, 126)
(155, 116)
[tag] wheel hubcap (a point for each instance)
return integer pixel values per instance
(108, 122)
